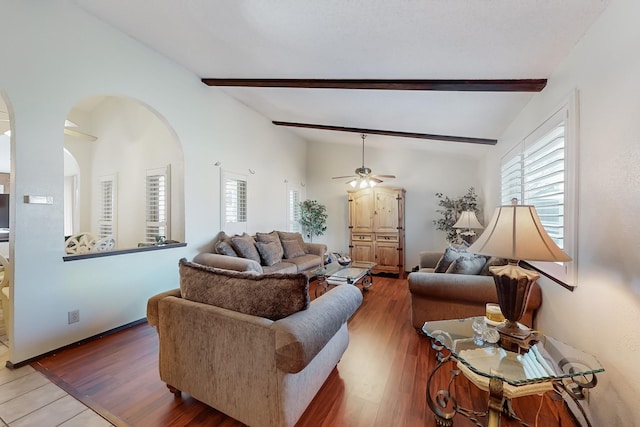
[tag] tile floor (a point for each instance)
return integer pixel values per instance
(29, 399)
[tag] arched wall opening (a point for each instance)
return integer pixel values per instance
(128, 179)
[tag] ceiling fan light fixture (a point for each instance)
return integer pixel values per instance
(364, 178)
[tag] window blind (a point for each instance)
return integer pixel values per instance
(294, 211)
(106, 205)
(157, 204)
(534, 173)
(235, 191)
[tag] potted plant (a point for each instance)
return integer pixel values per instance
(313, 218)
(451, 209)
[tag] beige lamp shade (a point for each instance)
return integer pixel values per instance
(516, 233)
(468, 220)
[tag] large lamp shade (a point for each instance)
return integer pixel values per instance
(516, 233)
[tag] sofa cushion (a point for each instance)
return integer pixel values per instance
(449, 255)
(306, 261)
(245, 246)
(467, 264)
(285, 235)
(280, 267)
(292, 249)
(273, 296)
(224, 247)
(270, 253)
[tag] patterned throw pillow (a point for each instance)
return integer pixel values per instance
(292, 249)
(285, 235)
(245, 246)
(269, 238)
(224, 248)
(271, 253)
(492, 261)
(467, 264)
(450, 254)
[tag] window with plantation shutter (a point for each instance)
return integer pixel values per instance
(107, 186)
(234, 203)
(157, 205)
(293, 209)
(540, 171)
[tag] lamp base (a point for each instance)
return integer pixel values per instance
(513, 285)
(519, 341)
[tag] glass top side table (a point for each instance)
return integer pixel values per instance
(507, 374)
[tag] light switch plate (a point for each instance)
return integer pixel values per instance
(39, 200)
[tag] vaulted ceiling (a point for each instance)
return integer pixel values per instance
(284, 46)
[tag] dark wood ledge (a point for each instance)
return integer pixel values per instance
(122, 251)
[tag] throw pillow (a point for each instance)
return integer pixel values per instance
(450, 255)
(268, 238)
(292, 249)
(245, 246)
(285, 235)
(273, 296)
(490, 263)
(225, 248)
(271, 253)
(467, 264)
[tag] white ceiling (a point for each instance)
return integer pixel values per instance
(365, 39)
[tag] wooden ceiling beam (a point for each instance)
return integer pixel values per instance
(509, 85)
(449, 138)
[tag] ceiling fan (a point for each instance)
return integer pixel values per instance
(70, 128)
(363, 177)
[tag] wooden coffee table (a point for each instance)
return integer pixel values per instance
(334, 274)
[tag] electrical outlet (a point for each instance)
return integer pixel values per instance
(74, 316)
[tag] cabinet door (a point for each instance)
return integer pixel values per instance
(361, 211)
(362, 251)
(386, 211)
(387, 256)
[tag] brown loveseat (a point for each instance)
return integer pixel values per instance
(274, 252)
(263, 358)
(440, 296)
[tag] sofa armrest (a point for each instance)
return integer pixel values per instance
(152, 305)
(301, 336)
(429, 259)
(316, 249)
(228, 262)
(453, 287)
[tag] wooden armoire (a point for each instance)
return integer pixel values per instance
(376, 228)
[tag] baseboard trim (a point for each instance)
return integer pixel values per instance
(12, 365)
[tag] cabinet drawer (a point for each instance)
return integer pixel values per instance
(390, 237)
(361, 237)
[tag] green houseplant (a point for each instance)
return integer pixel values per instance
(313, 218)
(451, 209)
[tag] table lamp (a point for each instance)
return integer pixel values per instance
(516, 233)
(469, 222)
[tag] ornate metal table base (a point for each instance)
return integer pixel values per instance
(445, 406)
(536, 368)
(365, 281)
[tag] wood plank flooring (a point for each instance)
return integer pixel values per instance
(380, 380)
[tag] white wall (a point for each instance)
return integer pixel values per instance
(421, 172)
(56, 55)
(602, 315)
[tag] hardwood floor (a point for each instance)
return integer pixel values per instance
(380, 380)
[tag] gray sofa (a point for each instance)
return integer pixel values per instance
(251, 346)
(440, 296)
(264, 253)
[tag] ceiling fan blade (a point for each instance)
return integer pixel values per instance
(384, 176)
(78, 134)
(341, 177)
